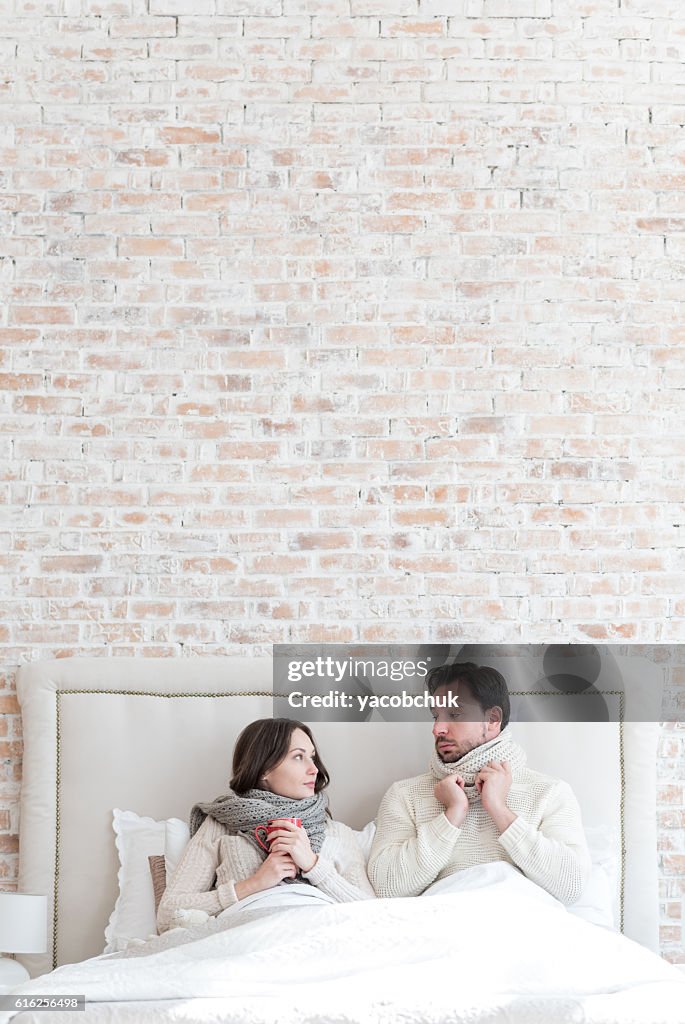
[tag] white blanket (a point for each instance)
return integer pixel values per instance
(494, 949)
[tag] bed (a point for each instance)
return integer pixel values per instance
(153, 736)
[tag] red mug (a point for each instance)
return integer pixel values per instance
(272, 827)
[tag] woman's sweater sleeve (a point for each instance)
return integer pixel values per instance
(192, 885)
(555, 855)
(340, 871)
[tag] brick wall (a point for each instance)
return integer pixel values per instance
(341, 319)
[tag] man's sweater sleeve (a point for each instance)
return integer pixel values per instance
(555, 855)
(406, 859)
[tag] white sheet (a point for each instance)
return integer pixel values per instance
(498, 951)
(297, 894)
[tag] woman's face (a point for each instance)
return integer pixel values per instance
(295, 776)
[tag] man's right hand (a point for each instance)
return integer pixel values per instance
(450, 793)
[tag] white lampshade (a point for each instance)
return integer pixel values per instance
(23, 923)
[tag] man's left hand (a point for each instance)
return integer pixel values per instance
(493, 784)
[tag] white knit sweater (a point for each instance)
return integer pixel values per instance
(416, 845)
(214, 861)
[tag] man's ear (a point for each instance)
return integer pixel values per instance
(495, 717)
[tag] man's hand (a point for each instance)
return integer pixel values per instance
(493, 784)
(450, 793)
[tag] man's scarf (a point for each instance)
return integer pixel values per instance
(468, 766)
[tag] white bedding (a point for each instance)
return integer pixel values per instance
(489, 948)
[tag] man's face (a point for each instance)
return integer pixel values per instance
(459, 730)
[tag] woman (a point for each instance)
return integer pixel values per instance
(277, 773)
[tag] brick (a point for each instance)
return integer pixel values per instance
(147, 28)
(189, 136)
(130, 247)
(272, 564)
(70, 563)
(321, 540)
(41, 315)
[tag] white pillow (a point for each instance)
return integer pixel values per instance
(605, 850)
(365, 839)
(598, 902)
(176, 838)
(138, 838)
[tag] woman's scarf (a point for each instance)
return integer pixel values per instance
(468, 766)
(241, 814)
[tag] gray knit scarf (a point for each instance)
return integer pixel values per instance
(241, 815)
(500, 749)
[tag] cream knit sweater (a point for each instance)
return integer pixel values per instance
(416, 845)
(214, 861)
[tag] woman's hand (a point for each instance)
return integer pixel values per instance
(293, 840)
(275, 867)
(270, 872)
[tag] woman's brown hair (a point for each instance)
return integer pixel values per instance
(261, 746)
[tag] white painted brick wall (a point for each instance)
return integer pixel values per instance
(341, 319)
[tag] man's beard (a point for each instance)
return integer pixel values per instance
(461, 750)
(456, 754)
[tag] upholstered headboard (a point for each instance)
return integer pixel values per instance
(155, 736)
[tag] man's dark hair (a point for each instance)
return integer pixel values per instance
(487, 686)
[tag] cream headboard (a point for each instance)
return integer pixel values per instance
(155, 736)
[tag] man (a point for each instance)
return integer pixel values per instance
(478, 803)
